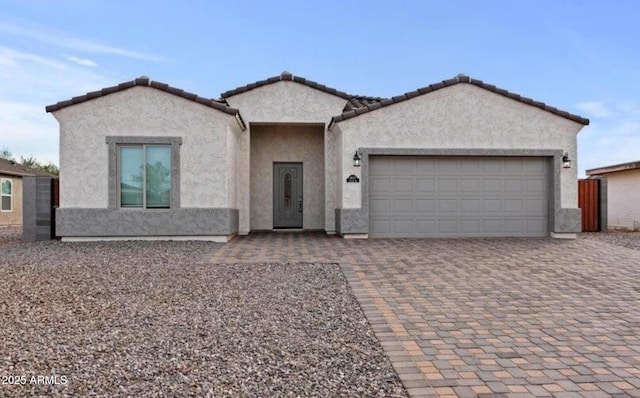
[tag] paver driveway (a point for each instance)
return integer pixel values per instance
(487, 317)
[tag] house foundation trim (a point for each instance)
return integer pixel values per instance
(78, 222)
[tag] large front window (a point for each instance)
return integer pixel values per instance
(145, 176)
(6, 192)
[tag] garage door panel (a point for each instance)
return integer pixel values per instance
(491, 185)
(471, 167)
(492, 226)
(458, 196)
(381, 185)
(404, 227)
(380, 227)
(447, 226)
(404, 185)
(403, 205)
(513, 185)
(536, 186)
(382, 206)
(447, 166)
(425, 206)
(470, 205)
(447, 205)
(470, 226)
(536, 206)
(425, 227)
(538, 226)
(425, 184)
(513, 205)
(514, 166)
(470, 185)
(492, 205)
(447, 185)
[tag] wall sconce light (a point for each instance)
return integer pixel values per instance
(356, 159)
(566, 162)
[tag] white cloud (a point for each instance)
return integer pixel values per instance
(594, 109)
(64, 40)
(610, 139)
(82, 61)
(30, 82)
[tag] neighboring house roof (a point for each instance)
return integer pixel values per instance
(614, 168)
(146, 82)
(451, 82)
(286, 76)
(13, 168)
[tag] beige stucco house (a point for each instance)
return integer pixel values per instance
(11, 174)
(456, 158)
(620, 209)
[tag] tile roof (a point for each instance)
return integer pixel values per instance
(613, 168)
(10, 167)
(286, 76)
(451, 82)
(361, 101)
(145, 81)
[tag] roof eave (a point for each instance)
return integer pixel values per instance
(614, 168)
(285, 77)
(143, 82)
(451, 82)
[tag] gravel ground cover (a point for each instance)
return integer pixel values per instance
(146, 319)
(630, 240)
(10, 236)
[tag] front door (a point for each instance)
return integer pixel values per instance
(287, 195)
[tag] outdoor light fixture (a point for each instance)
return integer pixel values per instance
(566, 162)
(356, 159)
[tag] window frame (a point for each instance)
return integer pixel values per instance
(10, 180)
(115, 142)
(144, 176)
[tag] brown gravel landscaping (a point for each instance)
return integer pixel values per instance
(630, 240)
(155, 319)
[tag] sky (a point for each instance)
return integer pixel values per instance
(580, 56)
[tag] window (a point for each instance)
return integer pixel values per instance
(145, 176)
(6, 192)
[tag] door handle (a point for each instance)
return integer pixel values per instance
(300, 204)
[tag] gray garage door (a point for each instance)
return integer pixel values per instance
(458, 196)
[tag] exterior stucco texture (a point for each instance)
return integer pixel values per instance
(271, 144)
(623, 200)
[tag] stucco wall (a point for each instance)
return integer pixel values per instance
(143, 111)
(460, 116)
(623, 194)
(287, 144)
(287, 102)
(14, 217)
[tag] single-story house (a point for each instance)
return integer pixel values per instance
(11, 174)
(621, 207)
(458, 158)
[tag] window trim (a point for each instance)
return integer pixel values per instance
(5, 195)
(144, 176)
(114, 142)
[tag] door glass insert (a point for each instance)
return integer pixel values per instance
(287, 190)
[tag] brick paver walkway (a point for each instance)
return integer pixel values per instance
(487, 317)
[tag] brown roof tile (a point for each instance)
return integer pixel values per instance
(361, 101)
(10, 167)
(286, 76)
(146, 82)
(348, 114)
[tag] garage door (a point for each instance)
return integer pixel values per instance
(458, 196)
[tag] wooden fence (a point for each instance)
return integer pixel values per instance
(589, 202)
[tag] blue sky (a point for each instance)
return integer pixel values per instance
(580, 56)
